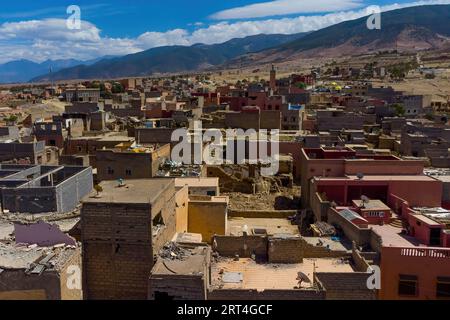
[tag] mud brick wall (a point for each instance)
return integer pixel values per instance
(229, 246)
(262, 213)
(345, 286)
(288, 250)
(179, 287)
(311, 251)
(15, 284)
(249, 294)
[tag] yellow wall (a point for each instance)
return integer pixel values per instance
(207, 218)
(181, 199)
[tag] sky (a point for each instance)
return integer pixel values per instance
(38, 30)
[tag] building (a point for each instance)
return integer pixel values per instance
(292, 117)
(37, 273)
(131, 163)
(82, 95)
(341, 162)
(39, 188)
(122, 230)
(33, 152)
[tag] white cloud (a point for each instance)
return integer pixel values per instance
(39, 40)
(285, 7)
(48, 29)
(168, 38)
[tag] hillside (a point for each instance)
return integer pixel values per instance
(171, 59)
(408, 29)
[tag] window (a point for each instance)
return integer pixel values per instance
(110, 170)
(128, 172)
(79, 148)
(443, 287)
(407, 285)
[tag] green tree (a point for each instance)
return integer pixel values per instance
(399, 109)
(301, 85)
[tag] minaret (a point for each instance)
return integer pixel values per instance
(273, 79)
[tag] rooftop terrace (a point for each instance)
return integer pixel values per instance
(247, 274)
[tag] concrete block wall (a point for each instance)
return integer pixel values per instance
(345, 286)
(361, 236)
(289, 250)
(273, 294)
(70, 192)
(117, 250)
(229, 246)
(311, 251)
(180, 287)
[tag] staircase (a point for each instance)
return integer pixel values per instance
(397, 223)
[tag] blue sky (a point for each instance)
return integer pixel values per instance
(37, 30)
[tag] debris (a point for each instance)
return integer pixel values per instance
(172, 251)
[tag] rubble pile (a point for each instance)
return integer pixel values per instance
(172, 251)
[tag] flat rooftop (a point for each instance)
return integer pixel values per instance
(272, 226)
(196, 182)
(393, 237)
(371, 205)
(226, 273)
(342, 245)
(193, 263)
(394, 178)
(133, 191)
(22, 257)
(379, 178)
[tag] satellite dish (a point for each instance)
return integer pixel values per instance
(364, 200)
(360, 176)
(301, 277)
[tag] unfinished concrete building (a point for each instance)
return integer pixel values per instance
(131, 163)
(36, 189)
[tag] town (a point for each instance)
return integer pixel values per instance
(98, 203)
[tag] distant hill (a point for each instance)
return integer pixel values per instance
(25, 70)
(171, 59)
(408, 29)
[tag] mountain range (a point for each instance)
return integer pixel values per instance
(25, 70)
(408, 29)
(413, 28)
(172, 58)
